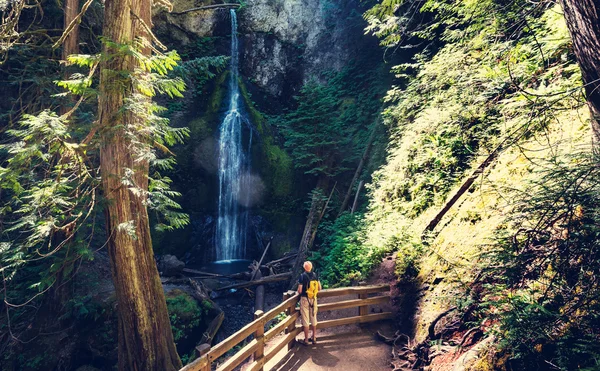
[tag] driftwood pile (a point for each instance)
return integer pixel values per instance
(407, 354)
(274, 267)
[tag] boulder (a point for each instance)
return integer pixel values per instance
(169, 265)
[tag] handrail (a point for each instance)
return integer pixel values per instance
(257, 327)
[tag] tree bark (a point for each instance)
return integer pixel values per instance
(316, 213)
(71, 43)
(145, 336)
(355, 203)
(259, 292)
(583, 22)
(361, 164)
(461, 191)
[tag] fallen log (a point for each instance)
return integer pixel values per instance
(261, 260)
(360, 185)
(200, 273)
(214, 326)
(239, 276)
(200, 293)
(269, 279)
(458, 194)
(358, 171)
(318, 207)
(511, 139)
(173, 280)
(259, 293)
(281, 260)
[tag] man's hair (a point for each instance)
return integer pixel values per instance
(307, 266)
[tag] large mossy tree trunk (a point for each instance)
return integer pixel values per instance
(145, 335)
(583, 22)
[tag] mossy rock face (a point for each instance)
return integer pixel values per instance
(215, 102)
(281, 170)
(275, 165)
(200, 129)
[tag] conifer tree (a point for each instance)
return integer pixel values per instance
(145, 336)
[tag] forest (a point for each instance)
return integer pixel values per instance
(167, 166)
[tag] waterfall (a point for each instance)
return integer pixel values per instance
(234, 164)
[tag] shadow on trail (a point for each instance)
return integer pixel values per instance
(331, 351)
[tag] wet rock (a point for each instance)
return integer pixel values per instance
(468, 359)
(169, 265)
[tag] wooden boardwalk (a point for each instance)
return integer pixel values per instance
(342, 345)
(353, 351)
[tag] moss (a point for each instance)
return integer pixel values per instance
(185, 314)
(200, 129)
(257, 118)
(281, 170)
(216, 98)
(276, 164)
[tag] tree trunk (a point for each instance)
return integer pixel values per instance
(313, 219)
(355, 203)
(259, 292)
(71, 43)
(145, 336)
(461, 191)
(583, 22)
(361, 164)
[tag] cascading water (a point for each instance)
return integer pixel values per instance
(234, 164)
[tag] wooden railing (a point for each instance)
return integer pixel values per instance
(256, 346)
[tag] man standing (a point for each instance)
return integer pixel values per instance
(308, 286)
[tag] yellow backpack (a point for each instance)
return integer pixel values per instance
(313, 286)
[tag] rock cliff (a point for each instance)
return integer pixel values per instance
(284, 43)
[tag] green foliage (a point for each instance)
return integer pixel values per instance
(477, 93)
(485, 76)
(198, 71)
(161, 201)
(185, 314)
(326, 132)
(549, 267)
(313, 144)
(344, 255)
(49, 190)
(49, 179)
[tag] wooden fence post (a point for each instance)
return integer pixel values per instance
(201, 351)
(259, 336)
(363, 310)
(289, 311)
